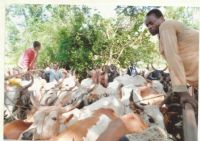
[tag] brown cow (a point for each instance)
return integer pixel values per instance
(79, 130)
(47, 122)
(13, 129)
(130, 123)
(152, 93)
(99, 77)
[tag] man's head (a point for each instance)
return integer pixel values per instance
(55, 66)
(36, 45)
(153, 20)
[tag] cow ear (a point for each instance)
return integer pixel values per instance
(89, 73)
(71, 71)
(74, 72)
(65, 120)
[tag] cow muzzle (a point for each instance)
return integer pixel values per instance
(28, 135)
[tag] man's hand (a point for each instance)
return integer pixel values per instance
(186, 98)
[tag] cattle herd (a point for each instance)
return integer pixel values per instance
(105, 106)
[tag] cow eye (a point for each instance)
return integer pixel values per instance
(151, 120)
(54, 118)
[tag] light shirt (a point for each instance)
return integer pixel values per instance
(180, 47)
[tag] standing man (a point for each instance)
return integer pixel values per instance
(179, 45)
(28, 59)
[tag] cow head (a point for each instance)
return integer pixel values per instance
(156, 74)
(70, 81)
(47, 121)
(23, 103)
(99, 76)
(150, 113)
(163, 77)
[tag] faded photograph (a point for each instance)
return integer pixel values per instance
(101, 72)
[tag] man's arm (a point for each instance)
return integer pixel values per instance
(168, 42)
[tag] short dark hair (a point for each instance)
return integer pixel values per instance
(156, 12)
(36, 44)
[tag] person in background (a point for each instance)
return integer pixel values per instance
(54, 73)
(29, 57)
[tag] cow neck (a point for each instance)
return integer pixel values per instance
(40, 135)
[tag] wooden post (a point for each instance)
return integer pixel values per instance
(189, 123)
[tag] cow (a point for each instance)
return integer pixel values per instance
(79, 114)
(13, 129)
(129, 80)
(92, 92)
(98, 76)
(20, 100)
(132, 71)
(51, 118)
(47, 122)
(153, 125)
(127, 124)
(55, 92)
(172, 112)
(122, 103)
(156, 74)
(112, 72)
(133, 97)
(162, 76)
(82, 128)
(94, 127)
(153, 133)
(151, 91)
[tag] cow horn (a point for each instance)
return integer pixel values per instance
(34, 101)
(74, 72)
(71, 70)
(137, 106)
(165, 68)
(89, 73)
(31, 83)
(153, 66)
(157, 69)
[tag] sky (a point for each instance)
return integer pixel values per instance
(107, 11)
